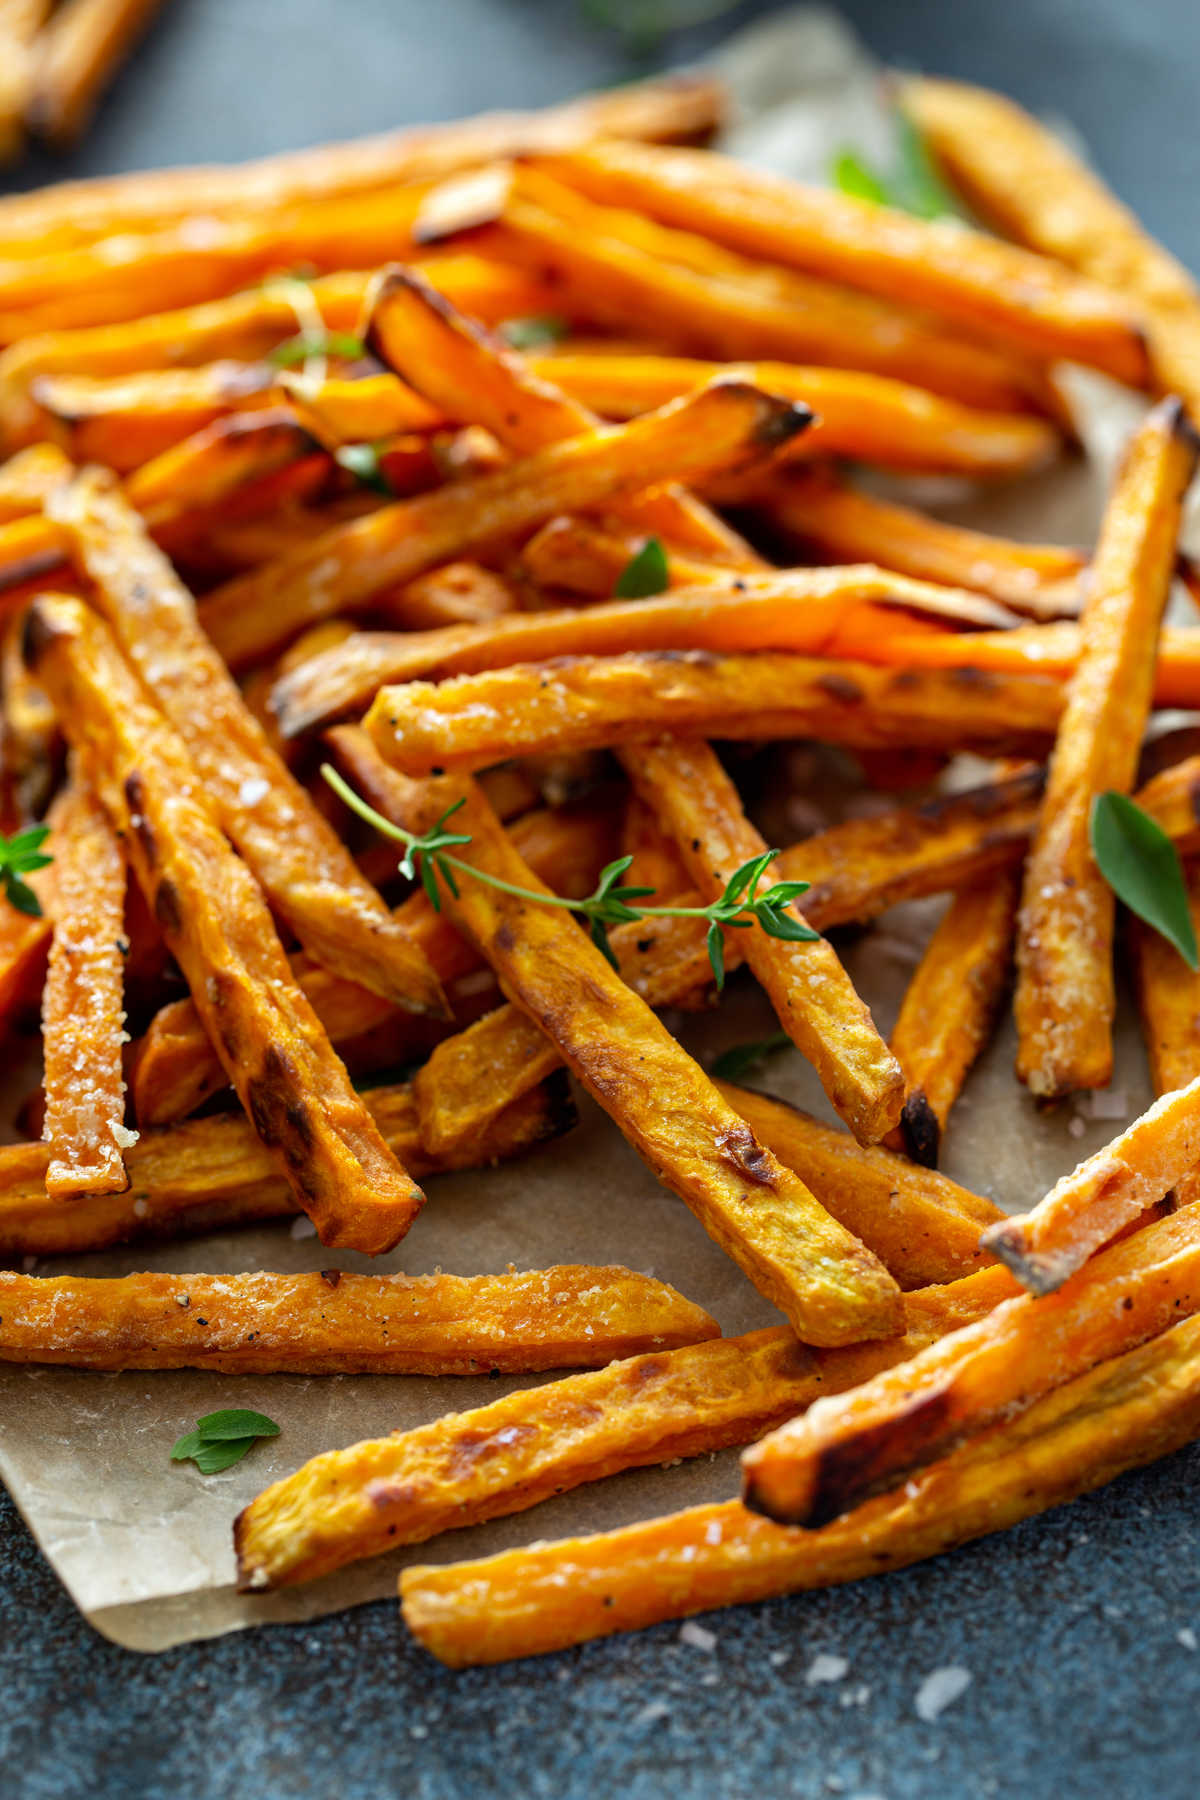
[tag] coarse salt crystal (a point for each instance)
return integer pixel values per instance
(697, 1636)
(652, 1712)
(940, 1690)
(826, 1668)
(253, 790)
(123, 1137)
(1187, 1637)
(777, 1658)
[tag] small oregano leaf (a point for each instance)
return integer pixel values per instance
(1141, 865)
(235, 1422)
(533, 333)
(644, 574)
(738, 1061)
(221, 1439)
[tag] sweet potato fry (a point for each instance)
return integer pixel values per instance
(828, 1286)
(27, 478)
(125, 420)
(548, 1596)
(697, 804)
(30, 742)
(584, 703)
(1168, 995)
(1065, 997)
(83, 1009)
(849, 1447)
(302, 865)
(212, 1174)
(1019, 173)
(216, 922)
(619, 269)
(1106, 1193)
(468, 1467)
(340, 1324)
(950, 1006)
(586, 556)
(844, 525)
(77, 56)
(802, 610)
(724, 424)
(1028, 303)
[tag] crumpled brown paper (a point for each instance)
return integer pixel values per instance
(143, 1544)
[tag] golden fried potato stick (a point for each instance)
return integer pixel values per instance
(1021, 175)
(304, 868)
(587, 557)
(1168, 995)
(830, 1289)
(585, 703)
(802, 610)
(673, 108)
(125, 420)
(340, 1324)
(726, 423)
(548, 1596)
(175, 1066)
(1028, 303)
(217, 925)
(697, 804)
(621, 270)
(951, 1005)
(844, 525)
(212, 1174)
(83, 1006)
(849, 1447)
(1065, 998)
(465, 1468)
(76, 56)
(27, 478)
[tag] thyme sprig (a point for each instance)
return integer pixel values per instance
(743, 903)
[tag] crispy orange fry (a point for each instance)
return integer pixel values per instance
(828, 1286)
(951, 1004)
(212, 1174)
(27, 478)
(216, 922)
(30, 742)
(1106, 1193)
(804, 610)
(1022, 175)
(83, 1010)
(584, 703)
(1065, 997)
(78, 54)
(724, 424)
(340, 1324)
(468, 1467)
(125, 420)
(549, 1596)
(851, 1446)
(1029, 303)
(302, 865)
(697, 803)
(586, 556)
(1168, 994)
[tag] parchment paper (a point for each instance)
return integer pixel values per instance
(142, 1544)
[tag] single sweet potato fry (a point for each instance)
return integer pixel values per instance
(950, 1006)
(83, 1010)
(27, 478)
(216, 923)
(304, 869)
(585, 556)
(340, 1324)
(548, 1596)
(1168, 995)
(697, 803)
(727, 423)
(124, 421)
(1065, 997)
(848, 1447)
(468, 1467)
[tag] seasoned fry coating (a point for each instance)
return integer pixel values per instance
(211, 1174)
(1028, 302)
(1168, 995)
(468, 1467)
(1065, 997)
(216, 922)
(83, 1008)
(697, 803)
(340, 1324)
(728, 422)
(951, 1004)
(302, 865)
(549, 1596)
(586, 703)
(847, 1448)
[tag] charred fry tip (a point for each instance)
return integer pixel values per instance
(42, 626)
(1037, 1272)
(920, 1129)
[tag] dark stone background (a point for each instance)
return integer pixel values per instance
(1082, 1687)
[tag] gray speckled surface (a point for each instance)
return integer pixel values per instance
(1070, 1626)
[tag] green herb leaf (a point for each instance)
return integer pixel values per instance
(715, 945)
(221, 1439)
(644, 574)
(185, 1447)
(20, 855)
(235, 1422)
(1141, 865)
(533, 333)
(306, 344)
(733, 1064)
(914, 187)
(851, 175)
(363, 461)
(210, 1459)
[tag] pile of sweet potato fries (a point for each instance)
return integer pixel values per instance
(459, 488)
